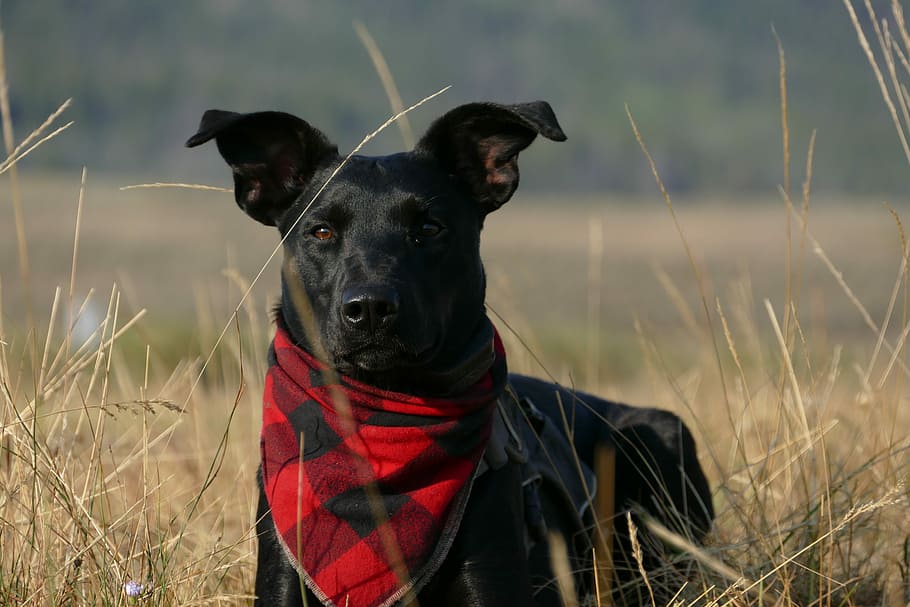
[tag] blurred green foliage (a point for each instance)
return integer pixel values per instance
(700, 77)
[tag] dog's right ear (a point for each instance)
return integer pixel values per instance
(273, 156)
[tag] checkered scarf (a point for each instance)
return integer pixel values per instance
(367, 487)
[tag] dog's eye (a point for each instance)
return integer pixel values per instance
(430, 229)
(322, 232)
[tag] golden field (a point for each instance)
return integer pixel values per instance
(134, 458)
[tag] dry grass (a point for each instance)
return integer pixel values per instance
(781, 343)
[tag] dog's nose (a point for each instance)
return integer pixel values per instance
(368, 308)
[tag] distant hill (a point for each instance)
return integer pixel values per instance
(700, 77)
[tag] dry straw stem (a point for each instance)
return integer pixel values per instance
(15, 194)
(890, 48)
(601, 503)
(64, 351)
(638, 555)
(794, 271)
(523, 342)
(895, 356)
(785, 143)
(678, 299)
(784, 119)
(595, 279)
(18, 154)
(731, 346)
(69, 306)
(149, 405)
(562, 570)
(895, 292)
(738, 427)
(49, 338)
(15, 153)
(794, 383)
(187, 186)
(605, 473)
(789, 282)
(388, 82)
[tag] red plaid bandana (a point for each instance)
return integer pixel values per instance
(339, 457)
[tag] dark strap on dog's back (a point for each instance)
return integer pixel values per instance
(522, 435)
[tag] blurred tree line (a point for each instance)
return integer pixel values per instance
(700, 77)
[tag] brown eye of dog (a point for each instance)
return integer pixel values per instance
(430, 229)
(323, 232)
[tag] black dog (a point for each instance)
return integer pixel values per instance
(382, 281)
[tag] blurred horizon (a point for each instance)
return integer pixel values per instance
(701, 79)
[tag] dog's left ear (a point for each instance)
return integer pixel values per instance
(480, 142)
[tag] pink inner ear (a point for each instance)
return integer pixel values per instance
(502, 176)
(283, 166)
(499, 171)
(253, 191)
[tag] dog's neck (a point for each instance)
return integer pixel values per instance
(439, 378)
(475, 359)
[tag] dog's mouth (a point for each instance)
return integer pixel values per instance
(390, 363)
(382, 354)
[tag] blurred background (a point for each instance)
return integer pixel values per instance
(700, 77)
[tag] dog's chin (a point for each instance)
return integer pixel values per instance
(370, 363)
(380, 360)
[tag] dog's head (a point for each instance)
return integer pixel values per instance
(382, 275)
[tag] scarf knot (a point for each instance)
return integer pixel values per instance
(367, 487)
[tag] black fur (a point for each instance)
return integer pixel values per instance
(382, 278)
